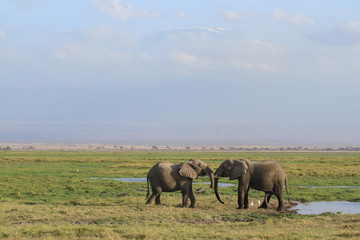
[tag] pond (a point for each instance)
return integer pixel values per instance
(342, 207)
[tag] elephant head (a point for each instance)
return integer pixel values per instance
(194, 168)
(233, 169)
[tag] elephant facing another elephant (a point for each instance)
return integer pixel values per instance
(168, 177)
(267, 176)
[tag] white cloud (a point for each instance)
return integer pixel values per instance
(97, 45)
(189, 51)
(184, 58)
(278, 15)
(2, 34)
(204, 52)
(108, 33)
(216, 30)
(298, 18)
(120, 10)
(233, 16)
(197, 30)
(183, 15)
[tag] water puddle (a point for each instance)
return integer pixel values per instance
(122, 179)
(342, 207)
(222, 184)
(144, 180)
(219, 184)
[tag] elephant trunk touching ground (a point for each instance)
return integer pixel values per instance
(216, 190)
(267, 176)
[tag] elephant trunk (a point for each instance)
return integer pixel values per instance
(210, 173)
(216, 190)
(218, 174)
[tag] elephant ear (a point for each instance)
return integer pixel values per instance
(239, 170)
(186, 170)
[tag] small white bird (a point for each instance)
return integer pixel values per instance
(251, 203)
(258, 202)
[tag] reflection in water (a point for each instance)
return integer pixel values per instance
(343, 207)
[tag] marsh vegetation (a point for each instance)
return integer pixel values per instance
(50, 195)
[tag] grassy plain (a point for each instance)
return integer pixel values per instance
(49, 195)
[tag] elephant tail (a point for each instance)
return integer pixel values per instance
(148, 191)
(287, 190)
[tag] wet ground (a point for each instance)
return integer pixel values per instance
(340, 207)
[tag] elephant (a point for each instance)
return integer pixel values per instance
(267, 176)
(168, 177)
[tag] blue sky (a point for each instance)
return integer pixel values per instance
(190, 72)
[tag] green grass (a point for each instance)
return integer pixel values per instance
(48, 195)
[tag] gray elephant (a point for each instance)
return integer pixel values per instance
(168, 177)
(267, 176)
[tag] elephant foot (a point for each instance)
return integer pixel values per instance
(192, 207)
(264, 205)
(280, 209)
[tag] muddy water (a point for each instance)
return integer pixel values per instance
(341, 207)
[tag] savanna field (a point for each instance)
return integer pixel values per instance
(50, 195)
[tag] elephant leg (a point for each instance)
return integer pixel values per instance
(281, 203)
(268, 198)
(241, 198)
(266, 201)
(192, 197)
(157, 200)
(246, 200)
(279, 195)
(150, 199)
(155, 193)
(185, 196)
